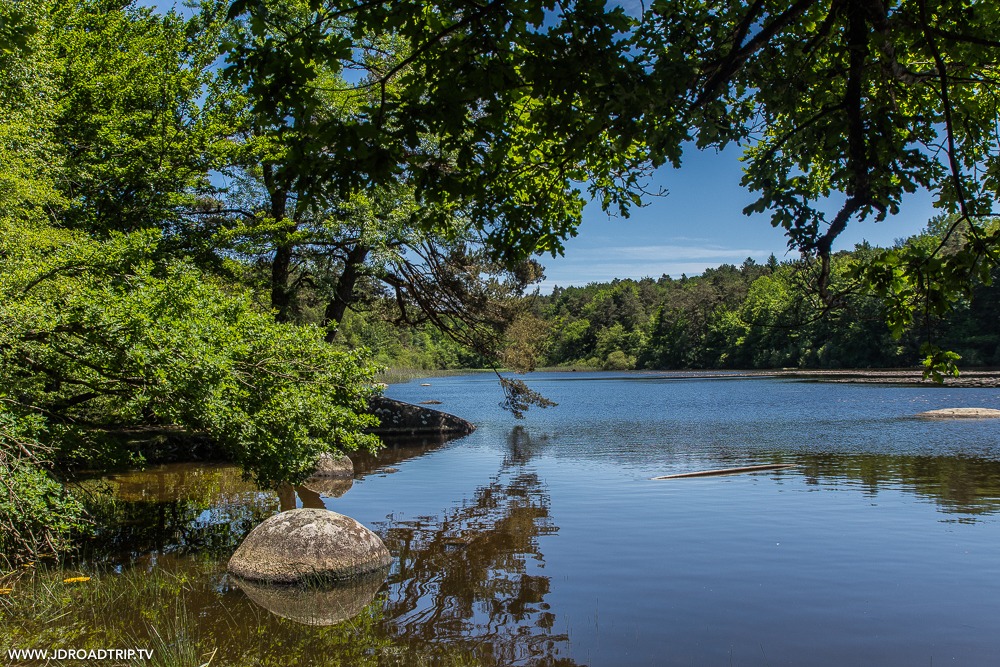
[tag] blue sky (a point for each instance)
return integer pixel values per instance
(698, 224)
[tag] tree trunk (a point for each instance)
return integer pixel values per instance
(281, 298)
(343, 295)
(281, 265)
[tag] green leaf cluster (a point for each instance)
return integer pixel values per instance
(111, 319)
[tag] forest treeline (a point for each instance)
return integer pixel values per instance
(755, 316)
(752, 316)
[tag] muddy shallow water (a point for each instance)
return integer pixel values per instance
(547, 542)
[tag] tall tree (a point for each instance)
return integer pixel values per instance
(325, 246)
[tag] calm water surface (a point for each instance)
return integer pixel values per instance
(545, 542)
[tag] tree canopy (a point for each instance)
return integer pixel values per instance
(864, 99)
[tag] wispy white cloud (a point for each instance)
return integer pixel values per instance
(692, 239)
(586, 265)
(666, 253)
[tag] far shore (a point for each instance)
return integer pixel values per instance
(967, 378)
(973, 377)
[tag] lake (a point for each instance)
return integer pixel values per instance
(546, 542)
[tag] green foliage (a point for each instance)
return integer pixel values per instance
(37, 515)
(135, 142)
(508, 140)
(16, 31)
(422, 346)
(939, 363)
(98, 337)
(888, 98)
(542, 97)
(27, 113)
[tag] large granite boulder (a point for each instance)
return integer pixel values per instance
(308, 545)
(960, 413)
(404, 419)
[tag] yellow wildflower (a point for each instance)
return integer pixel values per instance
(73, 580)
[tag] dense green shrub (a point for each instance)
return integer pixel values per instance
(95, 337)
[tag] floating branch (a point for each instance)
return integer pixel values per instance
(730, 471)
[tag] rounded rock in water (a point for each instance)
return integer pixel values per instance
(333, 466)
(306, 545)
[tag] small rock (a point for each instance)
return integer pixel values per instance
(305, 545)
(335, 466)
(960, 413)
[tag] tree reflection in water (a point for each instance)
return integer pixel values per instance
(958, 485)
(474, 572)
(183, 508)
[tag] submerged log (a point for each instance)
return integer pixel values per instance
(730, 471)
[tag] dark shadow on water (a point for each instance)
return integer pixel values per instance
(397, 450)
